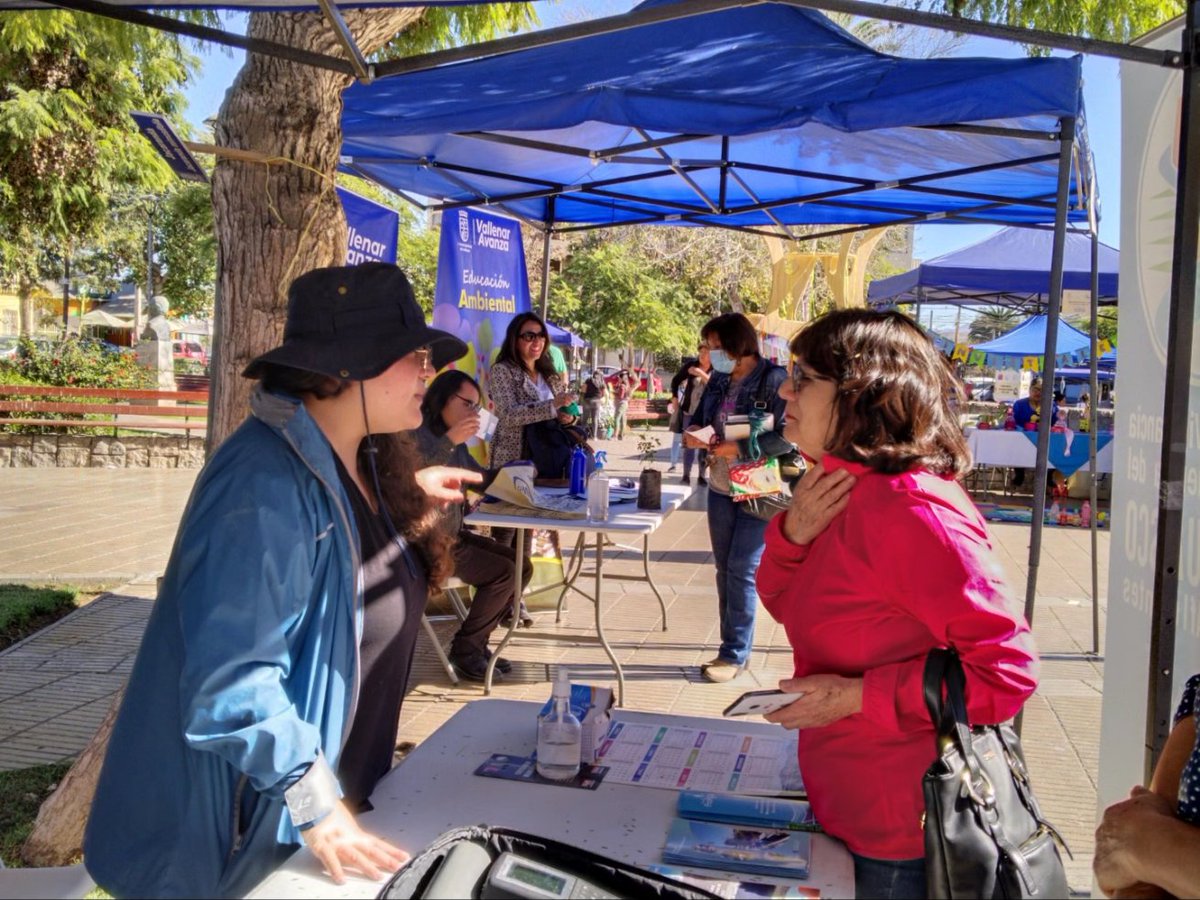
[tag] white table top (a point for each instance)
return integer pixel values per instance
(622, 517)
(434, 790)
(998, 447)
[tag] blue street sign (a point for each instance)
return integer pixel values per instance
(169, 146)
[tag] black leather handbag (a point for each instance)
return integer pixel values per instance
(985, 836)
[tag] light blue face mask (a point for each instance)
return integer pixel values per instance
(721, 361)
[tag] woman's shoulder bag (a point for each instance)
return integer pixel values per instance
(985, 836)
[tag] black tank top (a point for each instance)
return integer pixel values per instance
(396, 587)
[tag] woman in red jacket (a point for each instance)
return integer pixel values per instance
(881, 558)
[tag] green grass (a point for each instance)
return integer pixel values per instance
(21, 794)
(25, 608)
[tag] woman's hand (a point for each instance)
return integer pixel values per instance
(726, 449)
(827, 699)
(566, 398)
(815, 501)
(694, 442)
(463, 429)
(446, 483)
(340, 844)
(1123, 825)
(697, 372)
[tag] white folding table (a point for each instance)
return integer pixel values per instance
(435, 790)
(623, 519)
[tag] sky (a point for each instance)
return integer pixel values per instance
(1101, 101)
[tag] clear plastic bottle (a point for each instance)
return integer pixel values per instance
(597, 497)
(559, 734)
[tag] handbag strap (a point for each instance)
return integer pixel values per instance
(943, 668)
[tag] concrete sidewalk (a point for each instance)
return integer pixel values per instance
(95, 526)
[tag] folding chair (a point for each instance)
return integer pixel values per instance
(451, 589)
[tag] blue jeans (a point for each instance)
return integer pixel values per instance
(889, 879)
(737, 544)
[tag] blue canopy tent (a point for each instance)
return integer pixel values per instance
(1009, 268)
(757, 118)
(1029, 339)
(565, 337)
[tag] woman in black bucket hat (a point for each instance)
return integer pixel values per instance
(263, 704)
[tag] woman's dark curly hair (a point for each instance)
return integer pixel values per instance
(894, 392)
(415, 515)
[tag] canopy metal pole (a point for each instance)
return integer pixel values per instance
(546, 235)
(1180, 322)
(1051, 349)
(1093, 438)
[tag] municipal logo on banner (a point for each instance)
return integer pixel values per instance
(372, 227)
(481, 285)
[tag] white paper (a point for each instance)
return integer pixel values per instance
(705, 434)
(487, 425)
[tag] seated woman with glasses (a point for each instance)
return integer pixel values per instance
(880, 558)
(450, 414)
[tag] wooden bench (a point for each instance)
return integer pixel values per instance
(29, 404)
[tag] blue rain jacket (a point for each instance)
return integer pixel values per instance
(248, 667)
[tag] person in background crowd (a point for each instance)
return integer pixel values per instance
(1026, 411)
(867, 403)
(595, 390)
(1149, 844)
(450, 414)
(687, 387)
(622, 390)
(262, 706)
(741, 378)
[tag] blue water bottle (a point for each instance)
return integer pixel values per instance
(578, 471)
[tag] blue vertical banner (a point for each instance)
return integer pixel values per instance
(481, 285)
(373, 229)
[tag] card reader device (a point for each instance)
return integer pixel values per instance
(514, 876)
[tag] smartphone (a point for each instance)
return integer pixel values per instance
(759, 703)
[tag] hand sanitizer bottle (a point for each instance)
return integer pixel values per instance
(559, 733)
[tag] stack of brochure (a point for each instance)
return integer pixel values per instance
(765, 812)
(738, 848)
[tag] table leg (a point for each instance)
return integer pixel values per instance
(572, 574)
(518, 587)
(600, 624)
(650, 581)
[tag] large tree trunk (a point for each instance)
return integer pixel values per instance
(277, 221)
(57, 836)
(273, 222)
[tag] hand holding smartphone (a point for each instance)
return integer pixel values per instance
(759, 703)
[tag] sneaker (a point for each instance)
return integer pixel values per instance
(672, 467)
(686, 479)
(701, 480)
(525, 622)
(473, 667)
(721, 671)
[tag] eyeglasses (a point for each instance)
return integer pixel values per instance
(470, 404)
(799, 376)
(530, 336)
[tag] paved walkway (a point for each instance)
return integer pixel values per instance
(116, 526)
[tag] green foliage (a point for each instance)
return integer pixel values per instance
(75, 363)
(1114, 20)
(647, 445)
(992, 322)
(615, 298)
(22, 792)
(187, 252)
(455, 26)
(1106, 325)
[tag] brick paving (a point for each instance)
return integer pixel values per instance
(98, 526)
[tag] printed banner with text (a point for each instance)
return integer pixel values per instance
(373, 229)
(481, 285)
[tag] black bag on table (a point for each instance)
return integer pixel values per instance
(549, 444)
(435, 872)
(985, 836)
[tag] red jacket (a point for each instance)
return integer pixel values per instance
(906, 567)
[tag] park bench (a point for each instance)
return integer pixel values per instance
(102, 408)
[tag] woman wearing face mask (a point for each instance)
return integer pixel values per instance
(741, 380)
(262, 707)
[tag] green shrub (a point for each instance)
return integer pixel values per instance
(190, 367)
(75, 363)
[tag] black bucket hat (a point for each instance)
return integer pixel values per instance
(353, 322)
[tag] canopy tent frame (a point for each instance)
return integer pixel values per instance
(1182, 297)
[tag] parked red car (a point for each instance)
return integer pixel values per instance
(189, 350)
